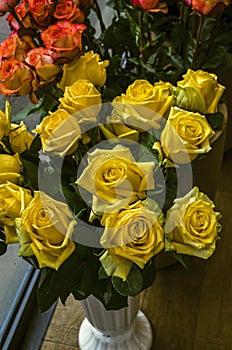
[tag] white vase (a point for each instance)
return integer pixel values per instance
(124, 329)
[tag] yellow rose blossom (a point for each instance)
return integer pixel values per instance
(19, 137)
(80, 95)
(199, 92)
(46, 229)
(59, 132)
(5, 120)
(111, 179)
(10, 168)
(144, 104)
(116, 129)
(185, 136)
(13, 200)
(87, 66)
(131, 235)
(115, 177)
(4, 127)
(111, 131)
(192, 225)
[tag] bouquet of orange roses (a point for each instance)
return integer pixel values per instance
(98, 189)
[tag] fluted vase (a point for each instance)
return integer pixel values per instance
(124, 329)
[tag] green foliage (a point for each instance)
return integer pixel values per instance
(107, 294)
(67, 277)
(170, 177)
(59, 284)
(157, 46)
(149, 274)
(30, 172)
(181, 259)
(133, 284)
(45, 299)
(3, 247)
(215, 120)
(29, 109)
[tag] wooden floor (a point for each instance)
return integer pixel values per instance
(188, 310)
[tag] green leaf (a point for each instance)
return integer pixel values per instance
(78, 292)
(90, 274)
(50, 95)
(147, 153)
(45, 299)
(215, 57)
(72, 200)
(36, 145)
(82, 250)
(133, 284)
(149, 274)
(181, 259)
(120, 31)
(3, 247)
(215, 120)
(30, 171)
(101, 273)
(148, 67)
(64, 281)
(170, 177)
(208, 25)
(109, 94)
(32, 260)
(31, 108)
(110, 298)
(2, 235)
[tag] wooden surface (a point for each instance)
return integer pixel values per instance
(188, 310)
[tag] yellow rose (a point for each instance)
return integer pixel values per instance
(144, 104)
(10, 168)
(59, 132)
(199, 92)
(5, 120)
(80, 95)
(114, 177)
(88, 67)
(131, 235)
(2, 125)
(45, 230)
(116, 129)
(13, 200)
(185, 136)
(192, 225)
(20, 139)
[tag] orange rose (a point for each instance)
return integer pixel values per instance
(207, 7)
(17, 78)
(40, 11)
(42, 60)
(24, 16)
(15, 47)
(150, 5)
(64, 38)
(5, 5)
(68, 10)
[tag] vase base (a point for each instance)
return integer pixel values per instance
(137, 337)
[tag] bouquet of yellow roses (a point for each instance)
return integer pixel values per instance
(99, 189)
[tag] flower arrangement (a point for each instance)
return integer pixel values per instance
(96, 191)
